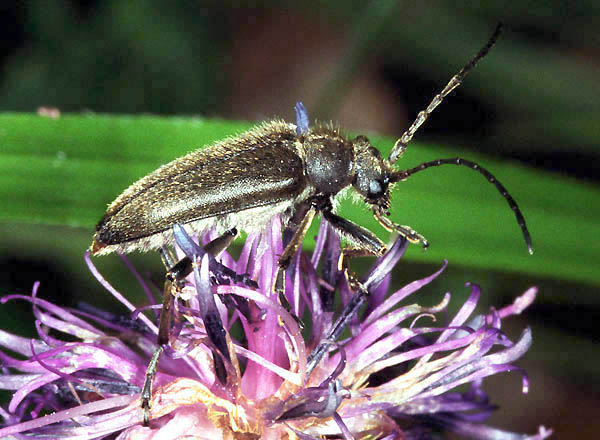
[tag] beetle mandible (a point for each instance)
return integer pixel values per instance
(277, 168)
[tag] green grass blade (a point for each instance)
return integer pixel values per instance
(65, 171)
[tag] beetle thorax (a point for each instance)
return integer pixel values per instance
(329, 161)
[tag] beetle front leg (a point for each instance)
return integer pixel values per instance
(359, 237)
(406, 231)
(176, 274)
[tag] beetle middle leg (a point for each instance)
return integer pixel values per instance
(176, 274)
(364, 243)
(293, 236)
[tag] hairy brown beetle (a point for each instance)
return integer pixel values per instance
(277, 168)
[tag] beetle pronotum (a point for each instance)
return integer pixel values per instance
(277, 168)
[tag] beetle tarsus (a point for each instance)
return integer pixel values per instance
(406, 231)
(146, 396)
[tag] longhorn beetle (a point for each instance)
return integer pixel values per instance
(242, 182)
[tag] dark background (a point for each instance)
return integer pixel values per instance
(371, 66)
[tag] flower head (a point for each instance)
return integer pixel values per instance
(239, 365)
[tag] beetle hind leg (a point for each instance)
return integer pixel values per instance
(176, 274)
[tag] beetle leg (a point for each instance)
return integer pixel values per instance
(222, 242)
(359, 237)
(351, 252)
(293, 236)
(350, 311)
(167, 256)
(176, 273)
(301, 227)
(406, 231)
(365, 244)
(183, 267)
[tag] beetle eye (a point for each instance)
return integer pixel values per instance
(375, 189)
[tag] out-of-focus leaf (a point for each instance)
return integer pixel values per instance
(569, 132)
(64, 171)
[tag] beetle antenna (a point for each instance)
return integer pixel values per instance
(407, 136)
(398, 176)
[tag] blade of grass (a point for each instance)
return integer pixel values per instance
(65, 171)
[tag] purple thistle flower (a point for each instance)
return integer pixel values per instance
(87, 385)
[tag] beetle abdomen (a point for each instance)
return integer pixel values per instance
(223, 182)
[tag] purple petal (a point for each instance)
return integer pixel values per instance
(401, 294)
(519, 304)
(384, 265)
(320, 242)
(100, 405)
(189, 247)
(116, 294)
(140, 280)
(483, 432)
(208, 308)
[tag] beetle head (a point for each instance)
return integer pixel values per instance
(372, 173)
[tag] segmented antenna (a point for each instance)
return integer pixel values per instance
(407, 136)
(405, 174)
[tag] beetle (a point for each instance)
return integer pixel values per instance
(276, 168)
